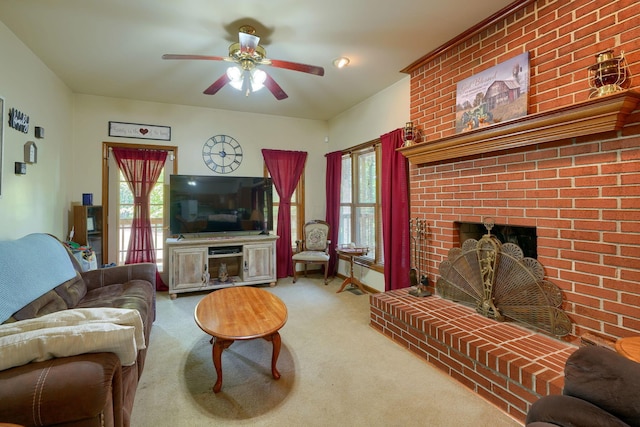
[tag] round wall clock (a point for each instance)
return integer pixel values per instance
(222, 153)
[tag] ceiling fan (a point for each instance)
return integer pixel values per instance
(248, 55)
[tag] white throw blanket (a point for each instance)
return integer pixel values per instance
(71, 332)
(30, 267)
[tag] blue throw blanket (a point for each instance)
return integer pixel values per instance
(30, 267)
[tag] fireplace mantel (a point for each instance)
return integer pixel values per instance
(607, 113)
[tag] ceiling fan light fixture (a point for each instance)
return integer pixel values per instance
(341, 62)
(247, 54)
(254, 77)
(235, 77)
(257, 79)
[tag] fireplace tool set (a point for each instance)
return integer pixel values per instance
(419, 281)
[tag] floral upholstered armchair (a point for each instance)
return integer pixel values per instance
(314, 248)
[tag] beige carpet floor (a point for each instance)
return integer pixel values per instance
(336, 371)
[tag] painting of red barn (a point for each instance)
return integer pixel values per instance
(494, 95)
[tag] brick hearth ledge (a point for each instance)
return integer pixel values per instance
(508, 365)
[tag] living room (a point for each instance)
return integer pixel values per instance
(599, 274)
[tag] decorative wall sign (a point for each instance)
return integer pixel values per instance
(18, 120)
(137, 130)
(493, 95)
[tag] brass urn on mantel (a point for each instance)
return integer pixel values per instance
(602, 114)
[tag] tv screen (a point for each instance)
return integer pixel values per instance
(216, 204)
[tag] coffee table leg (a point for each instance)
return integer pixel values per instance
(276, 341)
(218, 346)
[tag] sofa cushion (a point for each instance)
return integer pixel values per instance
(134, 294)
(48, 303)
(72, 291)
(66, 295)
(606, 379)
(569, 411)
(72, 332)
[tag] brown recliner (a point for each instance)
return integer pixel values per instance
(600, 390)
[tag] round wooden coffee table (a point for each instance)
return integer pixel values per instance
(242, 313)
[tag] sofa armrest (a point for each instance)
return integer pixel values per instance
(63, 391)
(121, 274)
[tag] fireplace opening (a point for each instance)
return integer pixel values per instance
(523, 236)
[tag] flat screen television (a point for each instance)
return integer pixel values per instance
(220, 204)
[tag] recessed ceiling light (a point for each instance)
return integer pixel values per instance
(341, 62)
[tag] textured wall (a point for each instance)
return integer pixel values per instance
(583, 194)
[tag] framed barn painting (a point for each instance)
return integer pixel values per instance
(495, 95)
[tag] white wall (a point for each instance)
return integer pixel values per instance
(39, 200)
(190, 129)
(382, 113)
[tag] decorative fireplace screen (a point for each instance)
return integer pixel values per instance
(500, 283)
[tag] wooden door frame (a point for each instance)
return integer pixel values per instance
(106, 146)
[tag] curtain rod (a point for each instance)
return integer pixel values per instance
(373, 143)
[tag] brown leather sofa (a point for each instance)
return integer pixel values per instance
(90, 389)
(600, 390)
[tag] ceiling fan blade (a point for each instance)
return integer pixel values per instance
(248, 42)
(217, 85)
(295, 66)
(274, 88)
(178, 56)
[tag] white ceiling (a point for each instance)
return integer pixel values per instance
(113, 47)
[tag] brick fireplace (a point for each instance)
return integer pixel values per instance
(561, 169)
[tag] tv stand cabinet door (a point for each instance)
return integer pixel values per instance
(259, 262)
(188, 269)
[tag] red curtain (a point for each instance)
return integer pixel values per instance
(141, 168)
(333, 181)
(285, 168)
(395, 212)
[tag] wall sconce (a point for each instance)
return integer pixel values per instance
(409, 134)
(609, 74)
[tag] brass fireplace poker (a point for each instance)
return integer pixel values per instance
(419, 281)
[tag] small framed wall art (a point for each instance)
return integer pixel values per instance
(30, 152)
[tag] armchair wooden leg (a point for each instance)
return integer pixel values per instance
(326, 270)
(294, 271)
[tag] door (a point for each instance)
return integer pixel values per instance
(190, 268)
(117, 203)
(259, 262)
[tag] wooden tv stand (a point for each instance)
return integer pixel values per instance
(194, 261)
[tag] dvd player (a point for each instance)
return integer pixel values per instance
(225, 250)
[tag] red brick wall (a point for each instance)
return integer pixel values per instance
(583, 195)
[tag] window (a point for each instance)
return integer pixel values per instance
(359, 200)
(297, 209)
